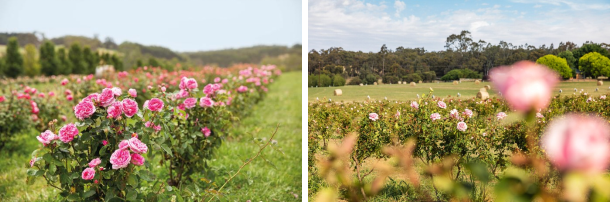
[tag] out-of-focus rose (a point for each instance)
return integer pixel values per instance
(577, 142)
(525, 85)
(155, 104)
(462, 126)
(88, 174)
(441, 104)
(132, 92)
(107, 97)
(95, 162)
(206, 102)
(414, 104)
(468, 113)
(137, 159)
(373, 116)
(435, 116)
(64, 82)
(46, 137)
(501, 115)
(120, 159)
(206, 131)
(129, 106)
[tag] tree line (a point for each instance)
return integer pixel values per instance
(469, 58)
(49, 60)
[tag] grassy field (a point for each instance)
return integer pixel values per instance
(274, 176)
(407, 92)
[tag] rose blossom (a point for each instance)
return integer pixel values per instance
(501, 115)
(107, 97)
(137, 159)
(373, 116)
(67, 132)
(104, 142)
(88, 174)
(129, 106)
(2, 98)
(46, 137)
(206, 131)
(206, 102)
(93, 97)
(441, 104)
(120, 159)
(84, 109)
(64, 82)
(154, 104)
(114, 111)
(217, 79)
(209, 89)
(95, 162)
(117, 91)
(124, 144)
(157, 128)
(137, 146)
(462, 126)
(539, 115)
(468, 113)
(454, 113)
(414, 104)
(190, 102)
(69, 97)
(242, 89)
(577, 142)
(132, 92)
(525, 85)
(435, 116)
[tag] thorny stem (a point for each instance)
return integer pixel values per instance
(249, 160)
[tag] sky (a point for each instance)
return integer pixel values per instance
(367, 24)
(180, 25)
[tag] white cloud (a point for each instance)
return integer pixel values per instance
(497, 6)
(572, 4)
(361, 26)
(399, 6)
(537, 6)
(484, 4)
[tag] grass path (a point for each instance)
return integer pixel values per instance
(276, 174)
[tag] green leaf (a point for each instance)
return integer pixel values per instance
(89, 193)
(132, 195)
(32, 172)
(73, 197)
(167, 150)
(132, 180)
(52, 169)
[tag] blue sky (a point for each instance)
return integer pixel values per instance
(366, 24)
(180, 25)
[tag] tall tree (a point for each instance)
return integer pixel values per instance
(90, 60)
(383, 52)
(117, 63)
(49, 63)
(79, 66)
(30, 61)
(66, 65)
(14, 61)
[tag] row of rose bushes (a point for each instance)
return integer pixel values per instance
(105, 153)
(452, 135)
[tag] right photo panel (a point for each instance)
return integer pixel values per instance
(458, 100)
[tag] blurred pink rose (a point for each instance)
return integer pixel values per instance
(106, 98)
(124, 144)
(155, 104)
(190, 102)
(217, 79)
(414, 105)
(468, 113)
(129, 106)
(64, 82)
(501, 115)
(69, 98)
(137, 146)
(67, 132)
(206, 102)
(462, 126)
(373, 116)
(104, 142)
(578, 142)
(95, 162)
(206, 131)
(88, 174)
(137, 159)
(435, 116)
(525, 85)
(132, 92)
(93, 97)
(117, 91)
(115, 110)
(120, 159)
(242, 89)
(46, 137)
(2, 98)
(84, 109)
(441, 104)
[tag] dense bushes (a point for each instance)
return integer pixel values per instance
(355, 81)
(461, 73)
(390, 79)
(412, 78)
(594, 64)
(370, 79)
(558, 64)
(338, 80)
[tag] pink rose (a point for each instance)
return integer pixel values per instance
(120, 159)
(190, 102)
(462, 126)
(157, 128)
(217, 79)
(68, 92)
(182, 94)
(183, 83)
(106, 98)
(130, 107)
(67, 132)
(225, 81)
(84, 109)
(242, 89)
(132, 92)
(137, 159)
(69, 98)
(501, 115)
(46, 137)
(51, 94)
(209, 89)
(435, 116)
(163, 89)
(191, 83)
(124, 144)
(525, 85)
(93, 97)
(155, 104)
(2, 98)
(414, 105)
(373, 116)
(468, 113)
(206, 102)
(114, 111)
(137, 146)
(117, 91)
(441, 104)
(454, 114)
(104, 142)
(577, 142)
(88, 174)
(64, 82)
(95, 162)
(539, 115)
(206, 131)
(147, 124)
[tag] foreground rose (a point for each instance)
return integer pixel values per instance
(373, 116)
(107, 97)
(132, 92)
(46, 137)
(525, 85)
(67, 133)
(84, 109)
(154, 104)
(129, 107)
(137, 159)
(190, 102)
(462, 126)
(120, 159)
(95, 162)
(88, 174)
(577, 142)
(137, 146)
(206, 102)
(124, 144)
(115, 110)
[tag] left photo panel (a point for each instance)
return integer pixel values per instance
(151, 101)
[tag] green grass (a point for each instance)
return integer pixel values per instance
(407, 92)
(274, 176)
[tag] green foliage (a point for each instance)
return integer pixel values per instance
(153, 62)
(338, 80)
(594, 64)
(30, 61)
(116, 62)
(370, 79)
(49, 63)
(429, 76)
(588, 48)
(355, 81)
(390, 79)
(571, 60)
(14, 61)
(65, 64)
(412, 78)
(91, 60)
(461, 73)
(75, 55)
(324, 80)
(557, 64)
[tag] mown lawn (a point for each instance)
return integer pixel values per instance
(407, 92)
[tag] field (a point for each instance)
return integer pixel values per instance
(407, 92)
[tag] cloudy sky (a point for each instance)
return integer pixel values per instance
(180, 25)
(367, 24)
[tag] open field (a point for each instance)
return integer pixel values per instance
(406, 92)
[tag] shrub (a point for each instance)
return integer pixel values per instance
(412, 78)
(370, 79)
(391, 79)
(594, 64)
(457, 74)
(355, 81)
(557, 64)
(338, 80)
